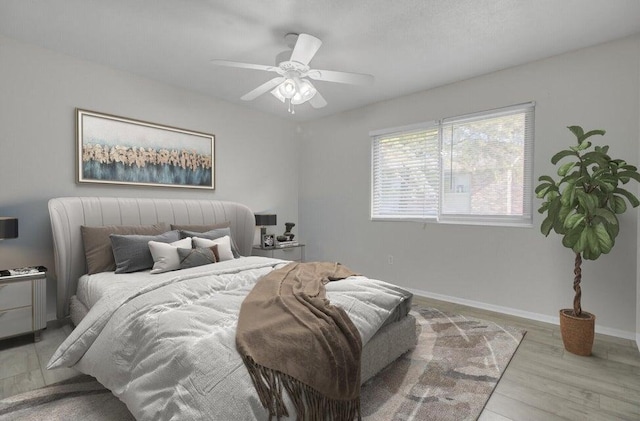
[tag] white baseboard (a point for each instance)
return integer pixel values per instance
(520, 313)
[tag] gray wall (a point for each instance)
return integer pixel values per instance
(510, 269)
(638, 247)
(39, 91)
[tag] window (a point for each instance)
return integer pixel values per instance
(471, 169)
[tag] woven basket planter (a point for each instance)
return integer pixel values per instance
(577, 332)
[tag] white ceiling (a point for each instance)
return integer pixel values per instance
(408, 45)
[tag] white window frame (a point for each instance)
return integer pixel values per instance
(524, 220)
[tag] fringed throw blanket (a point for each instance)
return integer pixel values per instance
(291, 337)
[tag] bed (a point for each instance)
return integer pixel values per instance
(164, 343)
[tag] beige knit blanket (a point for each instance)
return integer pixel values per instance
(291, 337)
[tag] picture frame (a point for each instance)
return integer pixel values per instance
(119, 150)
(268, 241)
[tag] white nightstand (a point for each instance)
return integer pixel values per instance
(293, 253)
(23, 303)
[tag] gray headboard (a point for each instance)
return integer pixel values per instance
(69, 213)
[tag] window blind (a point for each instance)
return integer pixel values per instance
(476, 168)
(486, 168)
(406, 174)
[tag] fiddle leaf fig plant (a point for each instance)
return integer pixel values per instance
(583, 203)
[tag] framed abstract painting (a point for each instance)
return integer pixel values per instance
(118, 150)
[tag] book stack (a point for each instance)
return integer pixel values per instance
(285, 244)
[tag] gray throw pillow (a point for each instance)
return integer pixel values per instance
(213, 235)
(190, 258)
(131, 252)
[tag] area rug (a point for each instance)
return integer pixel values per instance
(449, 375)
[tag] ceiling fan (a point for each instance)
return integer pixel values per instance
(292, 66)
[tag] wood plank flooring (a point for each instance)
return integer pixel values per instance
(542, 382)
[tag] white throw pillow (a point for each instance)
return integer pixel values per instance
(224, 246)
(165, 255)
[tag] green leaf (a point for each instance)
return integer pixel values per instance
(564, 168)
(605, 243)
(545, 227)
(593, 243)
(543, 186)
(573, 220)
(562, 213)
(604, 185)
(557, 157)
(607, 215)
(630, 174)
(577, 131)
(599, 158)
(581, 243)
(568, 195)
(630, 196)
(618, 205)
(572, 236)
(582, 146)
(587, 200)
(591, 133)
(547, 179)
(613, 230)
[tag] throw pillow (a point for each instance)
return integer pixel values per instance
(165, 255)
(213, 235)
(131, 252)
(97, 246)
(224, 246)
(190, 258)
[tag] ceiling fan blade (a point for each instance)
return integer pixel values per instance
(341, 77)
(305, 48)
(265, 87)
(317, 101)
(228, 63)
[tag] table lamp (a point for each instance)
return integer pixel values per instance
(263, 220)
(9, 227)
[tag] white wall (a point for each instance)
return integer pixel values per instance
(256, 154)
(508, 268)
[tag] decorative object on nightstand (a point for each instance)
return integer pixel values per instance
(8, 227)
(263, 220)
(287, 236)
(23, 301)
(294, 253)
(268, 241)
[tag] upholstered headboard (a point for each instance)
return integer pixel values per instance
(68, 214)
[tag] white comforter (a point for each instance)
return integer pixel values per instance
(168, 351)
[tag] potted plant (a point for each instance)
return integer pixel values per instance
(582, 206)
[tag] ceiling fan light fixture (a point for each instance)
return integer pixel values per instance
(305, 92)
(288, 88)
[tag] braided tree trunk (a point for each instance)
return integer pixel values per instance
(577, 271)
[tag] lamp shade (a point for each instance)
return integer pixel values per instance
(8, 227)
(263, 219)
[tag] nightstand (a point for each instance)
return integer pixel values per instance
(293, 253)
(23, 302)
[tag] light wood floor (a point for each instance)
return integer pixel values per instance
(542, 382)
